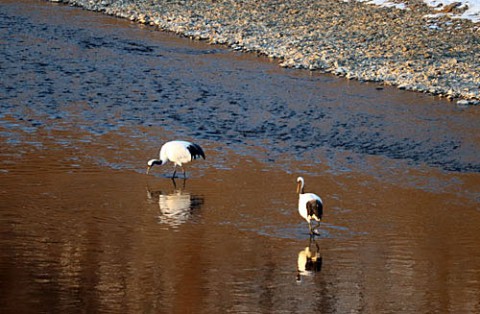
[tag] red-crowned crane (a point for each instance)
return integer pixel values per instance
(179, 153)
(310, 206)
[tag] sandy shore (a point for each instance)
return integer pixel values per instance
(404, 48)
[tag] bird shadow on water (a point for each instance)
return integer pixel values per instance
(309, 260)
(176, 205)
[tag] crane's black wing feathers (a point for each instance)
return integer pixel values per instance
(196, 151)
(315, 207)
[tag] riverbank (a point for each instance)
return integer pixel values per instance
(408, 48)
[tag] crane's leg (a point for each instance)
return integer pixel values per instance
(184, 172)
(313, 230)
(174, 171)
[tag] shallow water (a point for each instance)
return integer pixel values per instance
(87, 99)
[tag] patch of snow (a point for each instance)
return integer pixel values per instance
(386, 3)
(472, 7)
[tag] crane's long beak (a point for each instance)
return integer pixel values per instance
(298, 187)
(148, 169)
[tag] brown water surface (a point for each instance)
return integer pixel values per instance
(87, 99)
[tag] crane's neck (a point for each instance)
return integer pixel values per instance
(155, 162)
(300, 185)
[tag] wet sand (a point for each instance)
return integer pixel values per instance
(83, 229)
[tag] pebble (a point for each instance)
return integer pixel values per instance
(408, 48)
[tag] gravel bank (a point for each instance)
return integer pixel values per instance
(403, 48)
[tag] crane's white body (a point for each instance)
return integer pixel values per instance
(303, 199)
(176, 152)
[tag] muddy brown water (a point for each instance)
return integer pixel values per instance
(87, 99)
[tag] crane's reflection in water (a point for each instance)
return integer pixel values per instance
(176, 207)
(309, 260)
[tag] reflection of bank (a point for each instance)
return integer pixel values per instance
(309, 261)
(177, 206)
